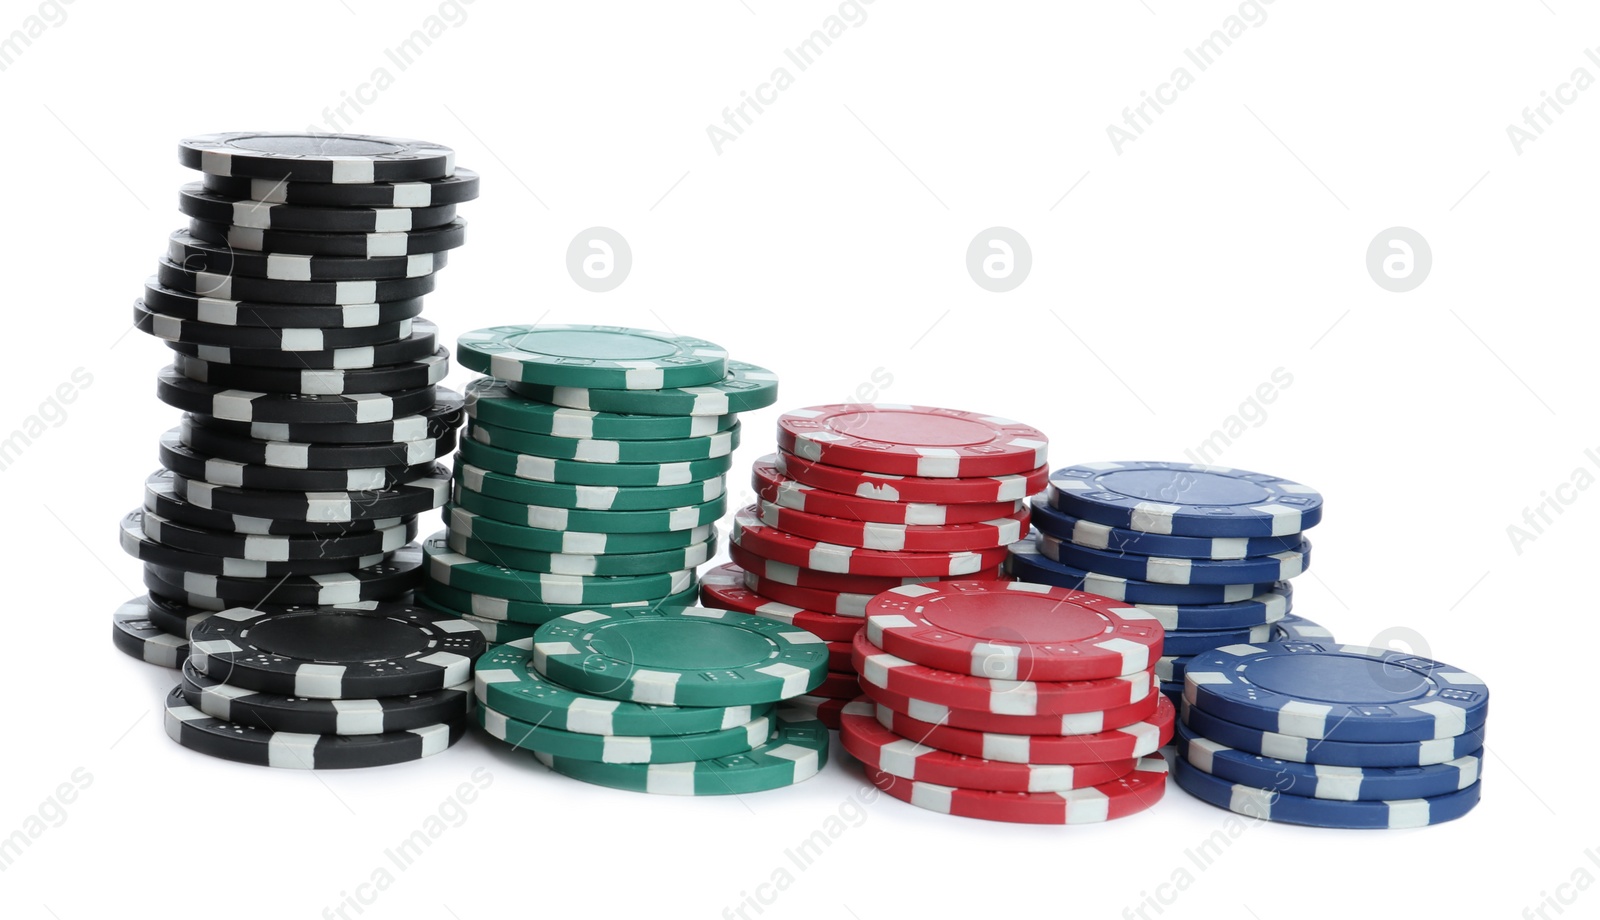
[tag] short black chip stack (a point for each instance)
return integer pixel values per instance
(313, 426)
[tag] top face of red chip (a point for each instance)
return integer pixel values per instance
(912, 440)
(1013, 631)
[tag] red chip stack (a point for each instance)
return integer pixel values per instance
(1010, 701)
(861, 499)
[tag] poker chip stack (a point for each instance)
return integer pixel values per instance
(591, 475)
(670, 700)
(864, 498)
(1010, 701)
(1207, 550)
(313, 420)
(1327, 735)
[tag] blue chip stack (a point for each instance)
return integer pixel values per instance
(1327, 735)
(1208, 550)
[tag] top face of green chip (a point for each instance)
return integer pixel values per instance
(680, 657)
(610, 357)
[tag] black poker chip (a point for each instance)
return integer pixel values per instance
(406, 375)
(196, 466)
(172, 617)
(197, 255)
(287, 713)
(180, 392)
(356, 652)
(195, 332)
(205, 734)
(460, 187)
(341, 159)
(386, 580)
(416, 496)
(275, 548)
(242, 287)
(310, 243)
(183, 305)
(444, 415)
(422, 342)
(138, 545)
(206, 438)
(161, 497)
(137, 635)
(196, 201)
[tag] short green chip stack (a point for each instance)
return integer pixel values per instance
(677, 701)
(591, 475)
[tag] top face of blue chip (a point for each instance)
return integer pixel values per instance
(1320, 690)
(1186, 499)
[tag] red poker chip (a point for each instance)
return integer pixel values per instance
(912, 440)
(1014, 630)
(823, 710)
(835, 602)
(886, 488)
(770, 483)
(1078, 723)
(839, 657)
(895, 538)
(1131, 794)
(723, 589)
(1136, 740)
(838, 685)
(779, 546)
(1002, 697)
(784, 573)
(884, 751)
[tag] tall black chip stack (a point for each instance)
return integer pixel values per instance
(312, 426)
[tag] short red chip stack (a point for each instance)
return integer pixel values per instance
(863, 498)
(1010, 701)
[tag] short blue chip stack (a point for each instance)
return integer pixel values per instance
(1327, 735)
(1208, 550)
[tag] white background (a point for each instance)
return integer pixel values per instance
(826, 243)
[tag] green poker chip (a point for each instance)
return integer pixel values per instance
(451, 568)
(494, 631)
(594, 498)
(625, 748)
(505, 683)
(669, 560)
(745, 389)
(491, 402)
(579, 472)
(569, 542)
(545, 517)
(611, 357)
(679, 450)
(673, 657)
(486, 608)
(797, 752)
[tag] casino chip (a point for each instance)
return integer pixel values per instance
(1272, 805)
(392, 577)
(295, 750)
(340, 159)
(411, 497)
(408, 375)
(930, 538)
(823, 710)
(550, 518)
(1077, 723)
(133, 632)
(611, 357)
(442, 417)
(1064, 527)
(795, 752)
(1332, 753)
(723, 588)
(195, 332)
(1197, 641)
(572, 542)
(882, 487)
(783, 573)
(1012, 630)
(195, 467)
(197, 255)
(631, 749)
(195, 200)
(1185, 499)
(164, 301)
(1179, 571)
(680, 657)
(1139, 739)
(775, 488)
(1293, 627)
(912, 440)
(492, 403)
(376, 716)
(677, 450)
(271, 290)
(1138, 790)
(453, 569)
(345, 245)
(180, 392)
(209, 438)
(579, 472)
(356, 652)
(659, 562)
(136, 543)
(834, 602)
(419, 346)
(751, 533)
(456, 188)
(590, 498)
(746, 388)
(488, 607)
(1337, 692)
(1028, 564)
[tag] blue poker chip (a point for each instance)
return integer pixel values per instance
(1321, 751)
(1197, 642)
(1169, 669)
(1027, 564)
(1057, 523)
(1293, 628)
(1270, 607)
(1185, 499)
(1337, 692)
(1266, 804)
(1344, 784)
(1173, 692)
(1173, 570)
